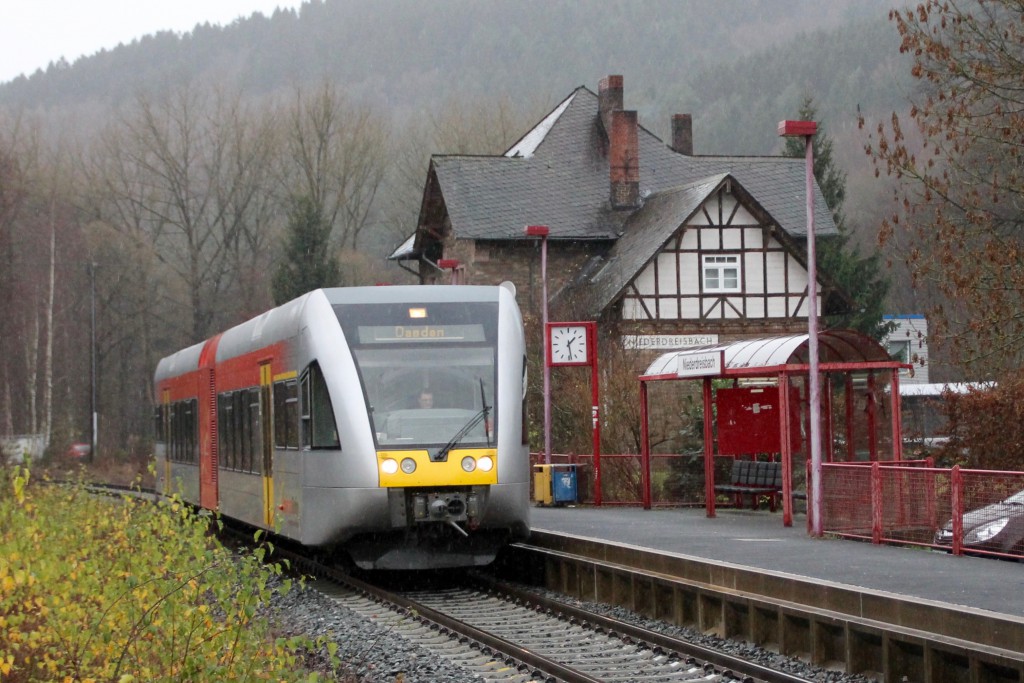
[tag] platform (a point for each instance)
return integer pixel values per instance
(757, 539)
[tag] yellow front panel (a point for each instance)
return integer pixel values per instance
(449, 473)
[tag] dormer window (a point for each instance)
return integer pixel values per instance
(721, 273)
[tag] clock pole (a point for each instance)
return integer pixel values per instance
(575, 344)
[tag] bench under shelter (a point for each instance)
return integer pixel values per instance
(747, 416)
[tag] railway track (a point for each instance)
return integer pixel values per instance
(502, 633)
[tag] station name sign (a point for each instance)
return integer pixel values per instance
(666, 342)
(700, 364)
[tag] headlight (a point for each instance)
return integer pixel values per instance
(468, 464)
(408, 465)
(485, 464)
(987, 531)
(389, 466)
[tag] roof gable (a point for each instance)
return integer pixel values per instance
(649, 229)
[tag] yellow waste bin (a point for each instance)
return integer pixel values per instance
(542, 484)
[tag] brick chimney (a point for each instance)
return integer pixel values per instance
(624, 161)
(682, 134)
(623, 144)
(609, 99)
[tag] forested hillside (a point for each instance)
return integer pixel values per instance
(714, 58)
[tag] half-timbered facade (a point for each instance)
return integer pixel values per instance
(645, 237)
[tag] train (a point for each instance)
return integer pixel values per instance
(385, 423)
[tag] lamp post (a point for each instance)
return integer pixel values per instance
(93, 419)
(542, 231)
(806, 130)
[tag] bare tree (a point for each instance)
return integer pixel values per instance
(958, 159)
(13, 191)
(185, 179)
(336, 155)
(38, 223)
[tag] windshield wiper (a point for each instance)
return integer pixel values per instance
(483, 402)
(482, 414)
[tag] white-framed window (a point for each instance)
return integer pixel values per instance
(721, 273)
(899, 349)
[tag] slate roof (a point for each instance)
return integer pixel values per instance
(562, 181)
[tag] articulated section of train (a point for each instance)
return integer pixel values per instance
(386, 422)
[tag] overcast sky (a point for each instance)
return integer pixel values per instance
(34, 33)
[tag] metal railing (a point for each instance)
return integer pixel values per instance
(958, 510)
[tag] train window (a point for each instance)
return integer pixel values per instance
(318, 427)
(176, 432)
(305, 417)
(193, 440)
(244, 433)
(460, 380)
(253, 457)
(286, 414)
(172, 436)
(225, 432)
(237, 415)
(182, 442)
(447, 350)
(231, 408)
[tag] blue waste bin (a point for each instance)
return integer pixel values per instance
(563, 483)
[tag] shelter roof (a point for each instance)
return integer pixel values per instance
(834, 346)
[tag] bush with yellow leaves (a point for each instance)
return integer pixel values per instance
(100, 589)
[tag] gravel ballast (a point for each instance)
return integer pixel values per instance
(371, 652)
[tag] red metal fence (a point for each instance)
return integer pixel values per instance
(907, 502)
(976, 511)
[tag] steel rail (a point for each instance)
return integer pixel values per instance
(727, 662)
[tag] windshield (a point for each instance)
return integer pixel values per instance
(428, 381)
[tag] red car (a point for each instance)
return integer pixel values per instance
(77, 451)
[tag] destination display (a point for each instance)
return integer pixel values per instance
(392, 334)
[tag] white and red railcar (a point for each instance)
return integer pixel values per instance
(386, 422)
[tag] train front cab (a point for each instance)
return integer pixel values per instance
(443, 389)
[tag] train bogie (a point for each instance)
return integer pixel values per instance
(383, 421)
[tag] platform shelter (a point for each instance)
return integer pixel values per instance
(750, 416)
